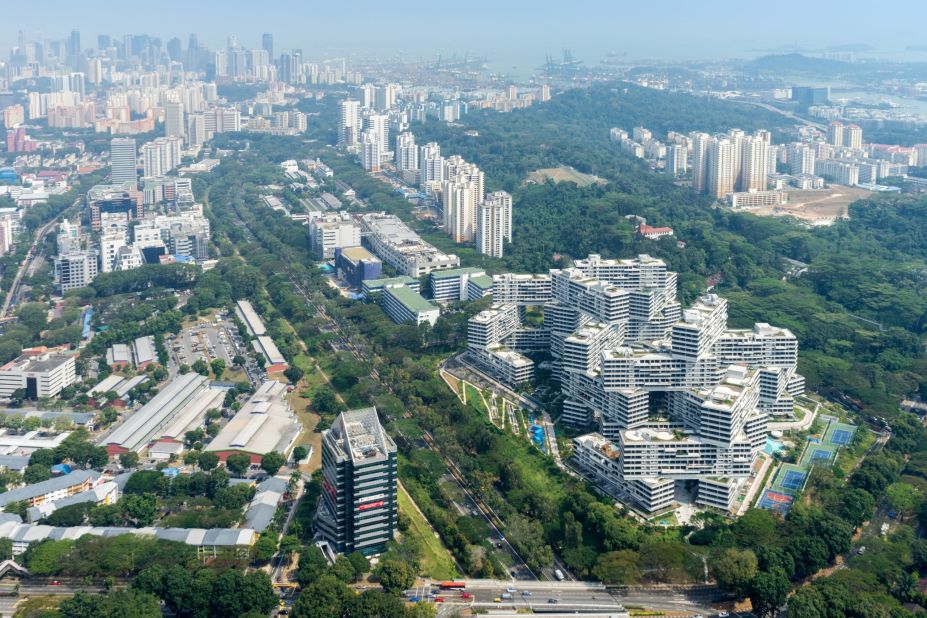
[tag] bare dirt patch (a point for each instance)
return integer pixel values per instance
(564, 173)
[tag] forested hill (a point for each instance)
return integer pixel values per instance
(869, 268)
(572, 128)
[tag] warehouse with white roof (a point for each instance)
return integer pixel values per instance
(137, 432)
(265, 423)
(250, 318)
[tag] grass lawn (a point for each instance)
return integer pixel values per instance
(36, 605)
(848, 457)
(436, 561)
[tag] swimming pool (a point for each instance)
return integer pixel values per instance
(772, 446)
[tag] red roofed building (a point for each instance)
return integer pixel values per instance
(654, 233)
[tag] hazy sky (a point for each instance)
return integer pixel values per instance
(511, 32)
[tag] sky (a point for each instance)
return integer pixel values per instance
(512, 33)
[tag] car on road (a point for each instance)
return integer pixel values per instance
(511, 589)
(723, 614)
(526, 593)
(466, 595)
(56, 583)
(439, 599)
(553, 600)
(497, 600)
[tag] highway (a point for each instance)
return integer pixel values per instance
(13, 294)
(565, 597)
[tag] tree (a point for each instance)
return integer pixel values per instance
(768, 592)
(115, 604)
(128, 460)
(238, 360)
(238, 463)
(903, 498)
(312, 565)
(618, 567)
(184, 369)
(47, 557)
(141, 509)
(734, 569)
(218, 367)
(36, 473)
(360, 562)
(807, 602)
(326, 597)
(324, 401)
(264, 549)
(856, 506)
(43, 456)
(300, 453)
(272, 462)
(201, 367)
(259, 359)
(293, 373)
(395, 576)
(207, 461)
(33, 316)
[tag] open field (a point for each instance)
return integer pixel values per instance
(436, 561)
(564, 174)
(816, 207)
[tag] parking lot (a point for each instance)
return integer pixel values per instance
(210, 338)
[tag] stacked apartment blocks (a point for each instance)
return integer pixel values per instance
(681, 401)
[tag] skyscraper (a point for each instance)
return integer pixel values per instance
(461, 194)
(676, 160)
(174, 49)
(801, 159)
(122, 157)
(835, 133)
(700, 143)
(350, 124)
(378, 124)
(721, 174)
(74, 43)
(853, 136)
(267, 44)
(754, 171)
(358, 510)
(431, 166)
(494, 223)
(406, 152)
(173, 119)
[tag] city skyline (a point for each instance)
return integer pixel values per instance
(519, 36)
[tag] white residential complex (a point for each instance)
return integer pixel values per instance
(617, 334)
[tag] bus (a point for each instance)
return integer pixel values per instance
(453, 585)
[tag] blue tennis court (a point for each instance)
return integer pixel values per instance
(792, 479)
(819, 454)
(841, 437)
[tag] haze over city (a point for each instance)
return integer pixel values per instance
(513, 34)
(404, 310)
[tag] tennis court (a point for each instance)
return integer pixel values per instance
(792, 479)
(840, 434)
(818, 454)
(789, 479)
(775, 501)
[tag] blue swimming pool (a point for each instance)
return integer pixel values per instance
(772, 446)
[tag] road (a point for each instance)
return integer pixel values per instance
(565, 597)
(785, 113)
(27, 263)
